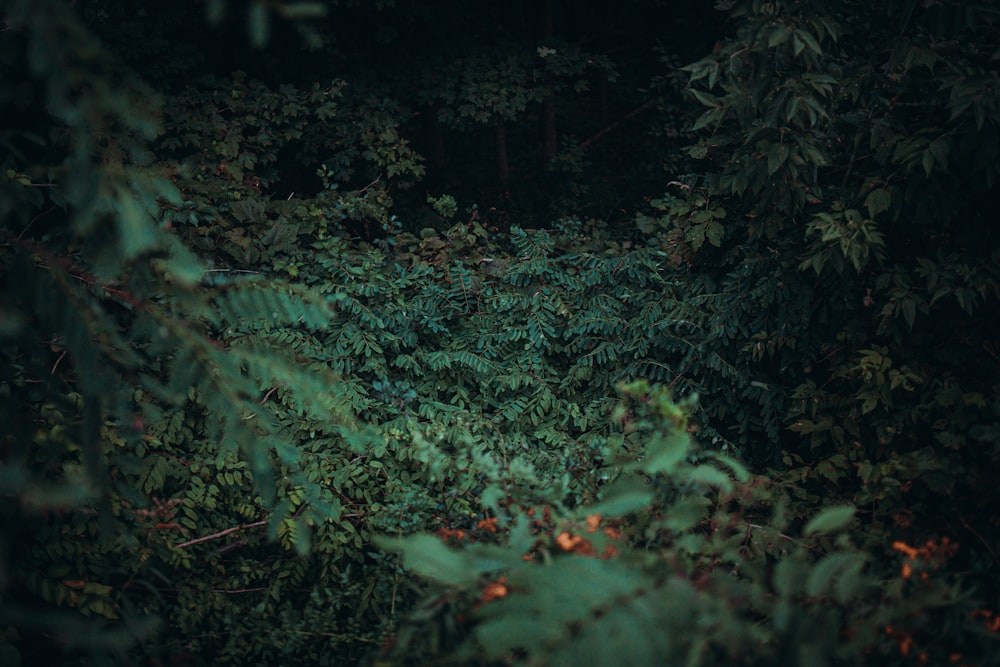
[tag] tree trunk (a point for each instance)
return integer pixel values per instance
(602, 94)
(503, 168)
(549, 138)
(434, 141)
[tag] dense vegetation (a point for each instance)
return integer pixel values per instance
(532, 333)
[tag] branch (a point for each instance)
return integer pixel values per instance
(215, 536)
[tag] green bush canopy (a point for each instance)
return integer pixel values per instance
(503, 333)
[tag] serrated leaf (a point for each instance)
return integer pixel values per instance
(695, 236)
(713, 233)
(878, 201)
(830, 519)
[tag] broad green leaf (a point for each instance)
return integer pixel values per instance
(809, 40)
(666, 452)
(830, 519)
(708, 118)
(776, 157)
(779, 36)
(707, 99)
(939, 149)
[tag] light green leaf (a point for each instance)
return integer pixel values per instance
(830, 569)
(429, 557)
(303, 10)
(622, 497)
(183, 267)
(711, 477)
(260, 23)
(738, 469)
(302, 540)
(134, 227)
(830, 519)
(666, 452)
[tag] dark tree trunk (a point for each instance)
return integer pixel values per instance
(602, 95)
(434, 138)
(549, 137)
(524, 24)
(503, 168)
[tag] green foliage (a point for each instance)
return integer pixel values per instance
(685, 559)
(236, 384)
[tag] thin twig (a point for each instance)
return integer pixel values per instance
(35, 219)
(978, 536)
(215, 536)
(365, 189)
(56, 364)
(240, 590)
